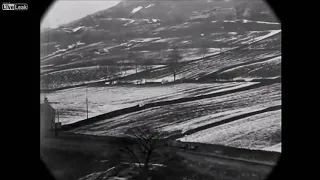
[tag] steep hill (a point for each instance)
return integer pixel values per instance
(133, 37)
(130, 19)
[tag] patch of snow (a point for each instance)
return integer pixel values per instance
(274, 148)
(246, 21)
(67, 30)
(260, 22)
(118, 178)
(62, 50)
(218, 40)
(44, 66)
(232, 33)
(236, 133)
(141, 104)
(232, 88)
(80, 43)
(243, 78)
(274, 77)
(77, 28)
(95, 175)
(204, 120)
(71, 46)
(141, 164)
(150, 5)
(250, 36)
(136, 9)
(155, 20)
(142, 81)
(272, 32)
(130, 22)
(263, 22)
(147, 39)
(238, 67)
(165, 40)
(151, 20)
(230, 39)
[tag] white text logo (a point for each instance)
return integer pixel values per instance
(14, 6)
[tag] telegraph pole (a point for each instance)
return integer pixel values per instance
(202, 36)
(87, 103)
(58, 115)
(203, 46)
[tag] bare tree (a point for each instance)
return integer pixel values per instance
(240, 9)
(174, 64)
(204, 50)
(112, 69)
(99, 73)
(146, 65)
(145, 148)
(133, 59)
(123, 67)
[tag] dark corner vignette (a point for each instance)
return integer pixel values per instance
(20, 25)
(277, 171)
(45, 172)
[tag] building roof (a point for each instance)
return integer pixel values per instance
(46, 105)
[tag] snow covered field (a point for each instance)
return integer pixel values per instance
(241, 38)
(262, 131)
(177, 118)
(266, 69)
(194, 70)
(71, 102)
(268, 43)
(225, 38)
(201, 68)
(274, 148)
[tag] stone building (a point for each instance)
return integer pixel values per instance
(47, 118)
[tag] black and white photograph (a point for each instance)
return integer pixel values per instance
(160, 89)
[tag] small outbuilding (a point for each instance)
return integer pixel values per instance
(47, 118)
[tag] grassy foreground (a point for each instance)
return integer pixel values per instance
(75, 164)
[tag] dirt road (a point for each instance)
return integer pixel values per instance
(225, 161)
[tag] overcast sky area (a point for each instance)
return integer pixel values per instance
(65, 11)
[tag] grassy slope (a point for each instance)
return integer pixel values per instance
(105, 99)
(59, 77)
(180, 117)
(254, 132)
